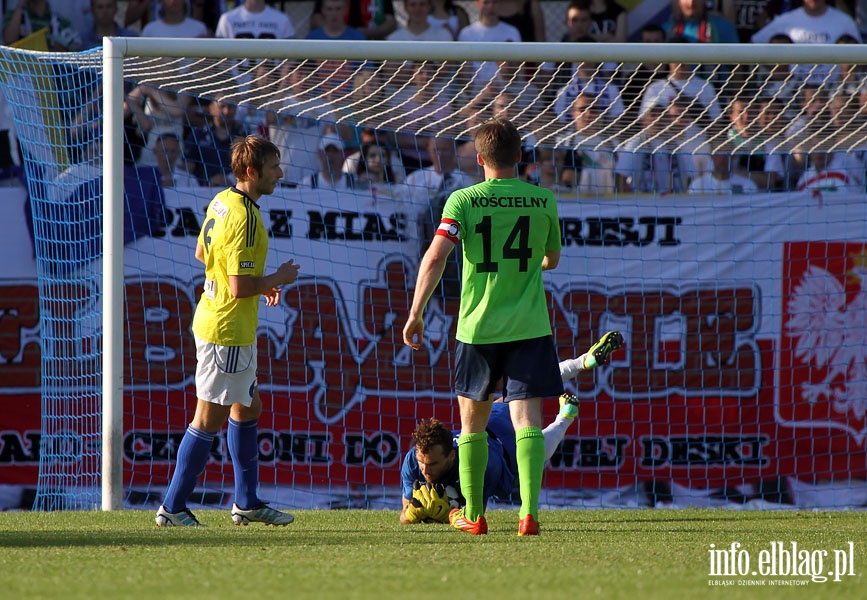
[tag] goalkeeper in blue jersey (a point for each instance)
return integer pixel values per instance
(232, 244)
(429, 475)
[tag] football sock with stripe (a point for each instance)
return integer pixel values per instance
(243, 440)
(530, 449)
(193, 453)
(472, 463)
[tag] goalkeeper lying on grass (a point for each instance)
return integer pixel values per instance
(429, 474)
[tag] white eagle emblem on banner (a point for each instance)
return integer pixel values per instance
(831, 334)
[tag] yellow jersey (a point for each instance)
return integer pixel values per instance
(235, 243)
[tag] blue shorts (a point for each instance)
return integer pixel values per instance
(528, 368)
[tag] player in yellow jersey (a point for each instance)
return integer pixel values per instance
(509, 232)
(233, 244)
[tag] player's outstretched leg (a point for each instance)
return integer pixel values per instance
(602, 349)
(260, 514)
(569, 405)
(595, 356)
(556, 431)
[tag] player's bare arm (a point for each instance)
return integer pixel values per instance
(430, 271)
(200, 253)
(245, 286)
(551, 260)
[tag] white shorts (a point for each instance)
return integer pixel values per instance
(225, 375)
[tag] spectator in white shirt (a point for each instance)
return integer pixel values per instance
(585, 157)
(590, 78)
(330, 175)
(682, 81)
(488, 28)
(813, 23)
(174, 22)
(724, 178)
(833, 172)
(418, 28)
(668, 154)
(255, 20)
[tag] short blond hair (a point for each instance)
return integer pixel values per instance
(251, 151)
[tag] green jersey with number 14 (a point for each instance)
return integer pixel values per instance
(505, 226)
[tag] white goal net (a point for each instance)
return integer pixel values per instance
(712, 209)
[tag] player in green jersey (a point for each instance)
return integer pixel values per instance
(509, 233)
(232, 245)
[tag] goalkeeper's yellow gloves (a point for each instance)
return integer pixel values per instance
(428, 503)
(434, 501)
(415, 512)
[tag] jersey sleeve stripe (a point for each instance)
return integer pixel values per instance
(251, 222)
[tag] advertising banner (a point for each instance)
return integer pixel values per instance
(744, 364)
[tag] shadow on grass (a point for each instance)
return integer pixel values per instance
(197, 538)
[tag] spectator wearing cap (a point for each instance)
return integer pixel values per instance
(330, 175)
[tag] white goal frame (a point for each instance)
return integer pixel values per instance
(116, 49)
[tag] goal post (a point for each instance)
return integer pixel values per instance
(708, 292)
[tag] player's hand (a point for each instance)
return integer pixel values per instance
(288, 272)
(413, 333)
(272, 297)
(415, 512)
(435, 502)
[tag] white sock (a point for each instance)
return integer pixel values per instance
(570, 368)
(554, 434)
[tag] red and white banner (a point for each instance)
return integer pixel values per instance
(744, 317)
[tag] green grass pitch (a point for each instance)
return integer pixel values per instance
(608, 554)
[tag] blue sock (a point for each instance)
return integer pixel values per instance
(243, 441)
(193, 453)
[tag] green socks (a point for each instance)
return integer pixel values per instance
(472, 463)
(531, 462)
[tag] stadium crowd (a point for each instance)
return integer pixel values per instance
(605, 128)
